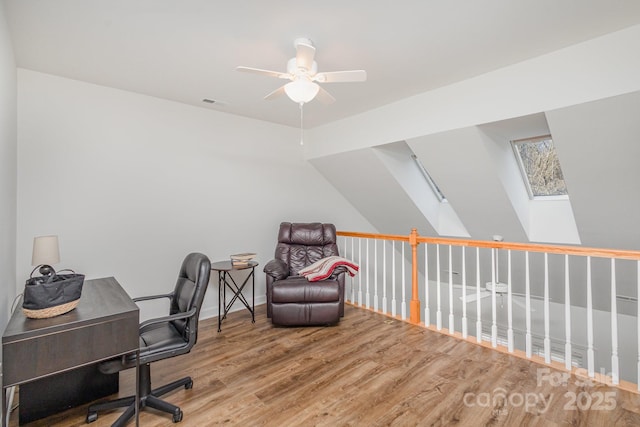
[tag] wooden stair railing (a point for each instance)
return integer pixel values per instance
(414, 240)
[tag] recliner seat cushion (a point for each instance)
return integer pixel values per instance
(296, 314)
(300, 290)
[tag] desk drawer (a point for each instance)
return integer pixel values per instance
(61, 351)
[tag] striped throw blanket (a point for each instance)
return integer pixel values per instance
(324, 267)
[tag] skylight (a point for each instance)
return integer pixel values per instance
(429, 180)
(540, 167)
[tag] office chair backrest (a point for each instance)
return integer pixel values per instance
(301, 244)
(189, 292)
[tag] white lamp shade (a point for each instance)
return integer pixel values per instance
(45, 250)
(301, 90)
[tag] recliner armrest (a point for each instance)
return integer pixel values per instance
(341, 269)
(277, 269)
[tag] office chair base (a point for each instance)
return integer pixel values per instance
(147, 398)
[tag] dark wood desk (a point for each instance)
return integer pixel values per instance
(102, 326)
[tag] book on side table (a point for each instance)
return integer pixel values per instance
(242, 259)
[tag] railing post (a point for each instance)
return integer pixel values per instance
(414, 316)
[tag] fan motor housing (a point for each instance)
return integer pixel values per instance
(501, 288)
(293, 69)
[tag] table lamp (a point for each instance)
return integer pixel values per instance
(45, 253)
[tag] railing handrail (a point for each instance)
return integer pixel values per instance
(529, 247)
(373, 235)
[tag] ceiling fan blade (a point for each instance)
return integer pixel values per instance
(275, 94)
(304, 55)
(341, 76)
(263, 72)
(521, 305)
(473, 296)
(325, 97)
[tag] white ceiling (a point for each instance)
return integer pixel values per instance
(187, 50)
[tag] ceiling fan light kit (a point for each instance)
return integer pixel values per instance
(302, 70)
(301, 90)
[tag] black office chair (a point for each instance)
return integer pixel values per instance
(163, 338)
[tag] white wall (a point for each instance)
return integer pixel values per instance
(8, 94)
(131, 183)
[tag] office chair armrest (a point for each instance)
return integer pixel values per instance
(150, 297)
(169, 318)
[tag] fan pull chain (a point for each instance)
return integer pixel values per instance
(301, 127)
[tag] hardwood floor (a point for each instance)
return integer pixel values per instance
(369, 370)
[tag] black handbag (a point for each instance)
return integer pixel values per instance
(49, 296)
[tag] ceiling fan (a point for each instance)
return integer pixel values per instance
(302, 71)
(501, 288)
(501, 291)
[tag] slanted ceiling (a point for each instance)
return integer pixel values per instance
(362, 177)
(598, 147)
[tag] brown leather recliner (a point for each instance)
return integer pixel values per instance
(291, 299)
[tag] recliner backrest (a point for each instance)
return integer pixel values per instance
(189, 292)
(302, 244)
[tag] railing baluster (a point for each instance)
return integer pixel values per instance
(452, 325)
(375, 276)
(368, 262)
(527, 286)
(403, 307)
(346, 255)
(465, 330)
(344, 250)
(360, 275)
(547, 339)
(427, 314)
(353, 258)
(478, 302)
(590, 352)
(510, 343)
(614, 326)
(393, 278)
(438, 303)
(384, 277)
(567, 315)
(494, 312)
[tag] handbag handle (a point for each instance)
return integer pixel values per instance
(52, 275)
(37, 267)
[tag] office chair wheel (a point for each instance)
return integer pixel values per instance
(177, 417)
(188, 385)
(91, 417)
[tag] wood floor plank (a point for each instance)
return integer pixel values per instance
(369, 370)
